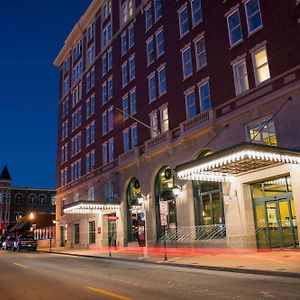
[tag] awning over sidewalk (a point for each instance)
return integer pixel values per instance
(222, 166)
(88, 207)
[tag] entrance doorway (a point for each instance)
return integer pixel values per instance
(112, 230)
(275, 218)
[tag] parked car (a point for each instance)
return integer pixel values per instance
(8, 243)
(2, 239)
(24, 242)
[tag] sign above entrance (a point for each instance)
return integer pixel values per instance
(224, 165)
(88, 207)
(112, 218)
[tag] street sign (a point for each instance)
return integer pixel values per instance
(112, 218)
(163, 208)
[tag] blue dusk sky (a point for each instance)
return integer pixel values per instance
(32, 33)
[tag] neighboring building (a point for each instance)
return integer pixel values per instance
(19, 202)
(206, 76)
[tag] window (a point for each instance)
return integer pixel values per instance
(107, 61)
(19, 198)
(76, 170)
(104, 93)
(90, 106)
(90, 55)
(109, 193)
(64, 176)
(104, 123)
(90, 79)
(187, 62)
(131, 36)
(162, 81)
(164, 119)
(90, 134)
(240, 77)
(196, 11)
(124, 43)
(154, 124)
(261, 66)
(76, 94)
(32, 199)
(190, 103)
(91, 194)
(106, 35)
(133, 102)
(76, 118)
(110, 88)
(262, 132)
(76, 144)
(90, 161)
(200, 53)
(77, 71)
(64, 153)
(205, 99)
(126, 140)
(148, 17)
(132, 68)
(127, 10)
(104, 154)
(76, 234)
(150, 51)
(111, 150)
(134, 136)
(90, 32)
(66, 86)
(125, 108)
(66, 65)
(107, 9)
(234, 28)
(157, 9)
(110, 119)
(42, 199)
(253, 14)
(124, 75)
(152, 88)
(77, 50)
(92, 232)
(160, 48)
(65, 107)
(183, 21)
(64, 130)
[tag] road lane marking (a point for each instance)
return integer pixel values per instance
(21, 266)
(107, 293)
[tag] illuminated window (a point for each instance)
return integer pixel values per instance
(261, 65)
(164, 119)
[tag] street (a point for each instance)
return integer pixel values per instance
(50, 276)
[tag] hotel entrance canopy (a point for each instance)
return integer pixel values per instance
(88, 207)
(237, 160)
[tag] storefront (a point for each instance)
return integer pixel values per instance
(261, 189)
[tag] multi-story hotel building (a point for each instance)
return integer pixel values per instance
(190, 103)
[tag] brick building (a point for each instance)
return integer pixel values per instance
(19, 202)
(193, 103)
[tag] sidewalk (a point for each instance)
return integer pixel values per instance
(279, 262)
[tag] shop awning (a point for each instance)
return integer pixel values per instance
(88, 207)
(222, 166)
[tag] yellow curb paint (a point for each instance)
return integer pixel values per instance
(107, 293)
(21, 266)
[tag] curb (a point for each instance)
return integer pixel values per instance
(199, 267)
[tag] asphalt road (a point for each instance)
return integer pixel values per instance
(57, 277)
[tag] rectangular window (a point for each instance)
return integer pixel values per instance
(91, 32)
(148, 17)
(234, 28)
(91, 194)
(76, 234)
(131, 68)
(187, 62)
(124, 75)
(64, 153)
(162, 81)
(109, 59)
(190, 105)
(64, 176)
(110, 88)
(131, 36)
(261, 65)
(88, 135)
(133, 102)
(66, 86)
(205, 99)
(152, 88)
(92, 232)
(154, 124)
(160, 47)
(110, 119)
(109, 191)
(107, 9)
(150, 51)
(240, 77)
(262, 132)
(127, 10)
(104, 93)
(77, 71)
(164, 119)
(65, 107)
(87, 163)
(200, 53)
(253, 14)
(134, 136)
(124, 43)
(196, 11)
(183, 21)
(104, 154)
(125, 108)
(111, 150)
(106, 35)
(104, 123)
(90, 55)
(126, 140)
(157, 9)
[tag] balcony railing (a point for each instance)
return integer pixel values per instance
(157, 141)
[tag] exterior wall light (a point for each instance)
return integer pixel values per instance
(177, 190)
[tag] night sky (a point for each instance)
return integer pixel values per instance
(32, 33)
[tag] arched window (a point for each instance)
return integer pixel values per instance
(32, 199)
(42, 199)
(164, 184)
(19, 199)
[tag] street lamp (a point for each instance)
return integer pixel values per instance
(31, 216)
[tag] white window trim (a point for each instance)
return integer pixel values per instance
(186, 47)
(228, 29)
(158, 80)
(193, 22)
(254, 66)
(199, 93)
(156, 44)
(259, 27)
(183, 7)
(152, 75)
(243, 60)
(198, 67)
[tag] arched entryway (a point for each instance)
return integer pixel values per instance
(164, 185)
(134, 213)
